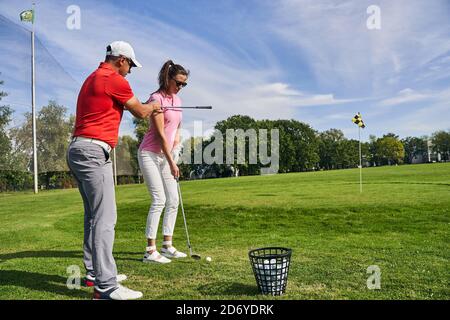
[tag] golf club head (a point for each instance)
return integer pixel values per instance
(195, 256)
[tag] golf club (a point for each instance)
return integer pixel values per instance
(193, 256)
(185, 107)
(193, 107)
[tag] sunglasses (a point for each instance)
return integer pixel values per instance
(180, 83)
(130, 63)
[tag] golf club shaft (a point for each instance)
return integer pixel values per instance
(184, 219)
(193, 107)
(185, 107)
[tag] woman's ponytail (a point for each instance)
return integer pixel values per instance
(168, 71)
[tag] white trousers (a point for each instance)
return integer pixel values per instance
(162, 187)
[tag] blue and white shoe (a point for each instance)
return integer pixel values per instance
(116, 293)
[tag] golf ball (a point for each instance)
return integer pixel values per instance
(208, 259)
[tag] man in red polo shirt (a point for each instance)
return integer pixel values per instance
(101, 101)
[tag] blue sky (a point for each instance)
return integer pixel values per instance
(313, 61)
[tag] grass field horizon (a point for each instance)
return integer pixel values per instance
(400, 222)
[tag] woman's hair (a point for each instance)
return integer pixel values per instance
(169, 71)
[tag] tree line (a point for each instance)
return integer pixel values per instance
(301, 148)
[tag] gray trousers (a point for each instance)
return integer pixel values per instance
(92, 168)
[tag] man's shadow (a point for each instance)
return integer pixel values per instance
(53, 284)
(41, 254)
(59, 254)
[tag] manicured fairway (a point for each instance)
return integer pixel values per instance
(401, 223)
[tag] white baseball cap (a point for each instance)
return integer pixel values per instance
(122, 48)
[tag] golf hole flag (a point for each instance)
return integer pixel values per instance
(358, 120)
(27, 16)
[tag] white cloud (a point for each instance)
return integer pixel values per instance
(342, 52)
(424, 121)
(404, 96)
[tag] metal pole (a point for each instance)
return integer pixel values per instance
(360, 161)
(33, 107)
(115, 166)
(194, 107)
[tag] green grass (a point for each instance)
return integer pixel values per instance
(401, 223)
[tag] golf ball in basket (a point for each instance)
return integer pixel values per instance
(208, 259)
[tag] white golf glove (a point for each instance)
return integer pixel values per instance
(176, 152)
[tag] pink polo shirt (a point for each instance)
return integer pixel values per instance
(172, 119)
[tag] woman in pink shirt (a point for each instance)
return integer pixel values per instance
(157, 157)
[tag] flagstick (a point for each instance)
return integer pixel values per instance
(360, 161)
(33, 107)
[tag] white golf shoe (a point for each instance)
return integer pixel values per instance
(155, 256)
(116, 293)
(172, 253)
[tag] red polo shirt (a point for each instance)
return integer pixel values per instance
(100, 105)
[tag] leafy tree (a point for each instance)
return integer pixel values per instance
(298, 143)
(337, 152)
(373, 154)
(414, 147)
(126, 153)
(365, 152)
(5, 141)
(441, 143)
(237, 122)
(22, 150)
(54, 129)
(141, 127)
(328, 147)
(390, 134)
(299, 146)
(187, 164)
(347, 154)
(390, 150)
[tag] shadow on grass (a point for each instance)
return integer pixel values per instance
(222, 288)
(59, 254)
(53, 284)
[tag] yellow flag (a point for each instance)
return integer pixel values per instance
(358, 120)
(27, 16)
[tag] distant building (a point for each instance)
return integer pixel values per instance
(430, 156)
